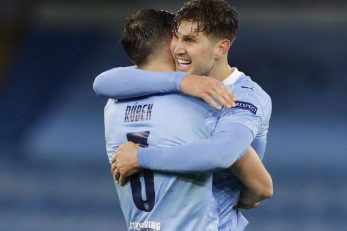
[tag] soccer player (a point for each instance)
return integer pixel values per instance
(201, 46)
(157, 200)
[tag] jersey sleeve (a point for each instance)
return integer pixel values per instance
(236, 129)
(242, 115)
(227, 145)
(129, 82)
(253, 109)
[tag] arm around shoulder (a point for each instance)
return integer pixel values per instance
(129, 82)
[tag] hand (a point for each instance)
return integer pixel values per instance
(240, 205)
(124, 163)
(208, 89)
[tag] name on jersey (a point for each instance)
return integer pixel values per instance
(138, 112)
(145, 226)
(248, 106)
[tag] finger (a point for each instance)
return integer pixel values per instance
(123, 146)
(113, 168)
(211, 102)
(256, 204)
(220, 96)
(232, 98)
(121, 180)
(114, 157)
(231, 94)
(229, 100)
(225, 90)
(117, 175)
(114, 165)
(228, 96)
(230, 103)
(120, 148)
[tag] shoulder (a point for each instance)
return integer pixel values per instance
(109, 105)
(118, 69)
(251, 96)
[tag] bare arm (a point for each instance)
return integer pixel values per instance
(256, 179)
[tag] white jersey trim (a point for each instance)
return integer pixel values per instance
(233, 77)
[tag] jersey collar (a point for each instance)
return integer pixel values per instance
(233, 77)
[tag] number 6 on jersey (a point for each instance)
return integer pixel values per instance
(135, 182)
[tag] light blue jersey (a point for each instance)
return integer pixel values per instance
(253, 110)
(235, 130)
(153, 201)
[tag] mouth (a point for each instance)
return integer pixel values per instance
(183, 64)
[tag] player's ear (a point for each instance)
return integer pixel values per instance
(223, 47)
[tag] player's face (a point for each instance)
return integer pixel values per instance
(193, 52)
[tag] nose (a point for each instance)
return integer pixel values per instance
(177, 47)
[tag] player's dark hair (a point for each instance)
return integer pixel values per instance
(144, 32)
(213, 17)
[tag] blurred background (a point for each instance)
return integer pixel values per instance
(54, 174)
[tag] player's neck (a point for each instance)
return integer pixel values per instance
(161, 64)
(160, 67)
(221, 71)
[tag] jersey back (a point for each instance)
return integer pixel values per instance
(154, 200)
